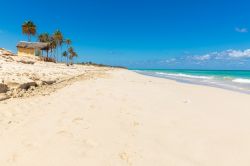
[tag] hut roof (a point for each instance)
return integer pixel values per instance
(38, 45)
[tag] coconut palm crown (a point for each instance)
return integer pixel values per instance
(45, 38)
(29, 29)
(58, 37)
(72, 54)
(68, 42)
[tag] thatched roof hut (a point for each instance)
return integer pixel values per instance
(32, 45)
(31, 48)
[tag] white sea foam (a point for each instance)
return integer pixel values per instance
(184, 75)
(226, 82)
(242, 80)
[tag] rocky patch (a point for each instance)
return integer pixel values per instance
(22, 76)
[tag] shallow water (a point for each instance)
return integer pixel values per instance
(227, 79)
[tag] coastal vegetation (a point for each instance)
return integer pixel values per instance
(29, 29)
(58, 47)
(100, 65)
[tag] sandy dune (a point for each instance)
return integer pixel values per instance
(127, 119)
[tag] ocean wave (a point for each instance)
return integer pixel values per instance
(230, 82)
(242, 80)
(184, 75)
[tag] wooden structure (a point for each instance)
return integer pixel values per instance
(31, 48)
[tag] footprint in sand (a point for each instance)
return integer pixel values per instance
(90, 143)
(77, 120)
(65, 133)
(27, 144)
(125, 157)
(88, 98)
(186, 101)
(80, 120)
(136, 124)
(13, 158)
(87, 145)
(85, 125)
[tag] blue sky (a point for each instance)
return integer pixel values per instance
(200, 34)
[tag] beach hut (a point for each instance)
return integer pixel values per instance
(31, 48)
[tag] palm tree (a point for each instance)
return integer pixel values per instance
(29, 29)
(45, 37)
(75, 55)
(58, 37)
(65, 54)
(52, 46)
(72, 54)
(68, 42)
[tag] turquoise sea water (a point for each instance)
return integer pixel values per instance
(238, 80)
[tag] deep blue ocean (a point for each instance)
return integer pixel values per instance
(238, 80)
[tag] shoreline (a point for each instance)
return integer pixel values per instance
(192, 82)
(125, 118)
(101, 72)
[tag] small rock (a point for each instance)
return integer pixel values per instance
(32, 88)
(48, 82)
(3, 88)
(39, 83)
(3, 96)
(27, 85)
(21, 85)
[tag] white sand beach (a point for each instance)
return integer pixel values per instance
(124, 118)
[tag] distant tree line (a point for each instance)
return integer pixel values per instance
(100, 65)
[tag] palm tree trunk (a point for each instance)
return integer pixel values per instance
(57, 54)
(67, 55)
(61, 54)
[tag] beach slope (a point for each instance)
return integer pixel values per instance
(127, 119)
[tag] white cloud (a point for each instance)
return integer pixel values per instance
(227, 54)
(241, 30)
(239, 53)
(227, 57)
(170, 60)
(202, 58)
